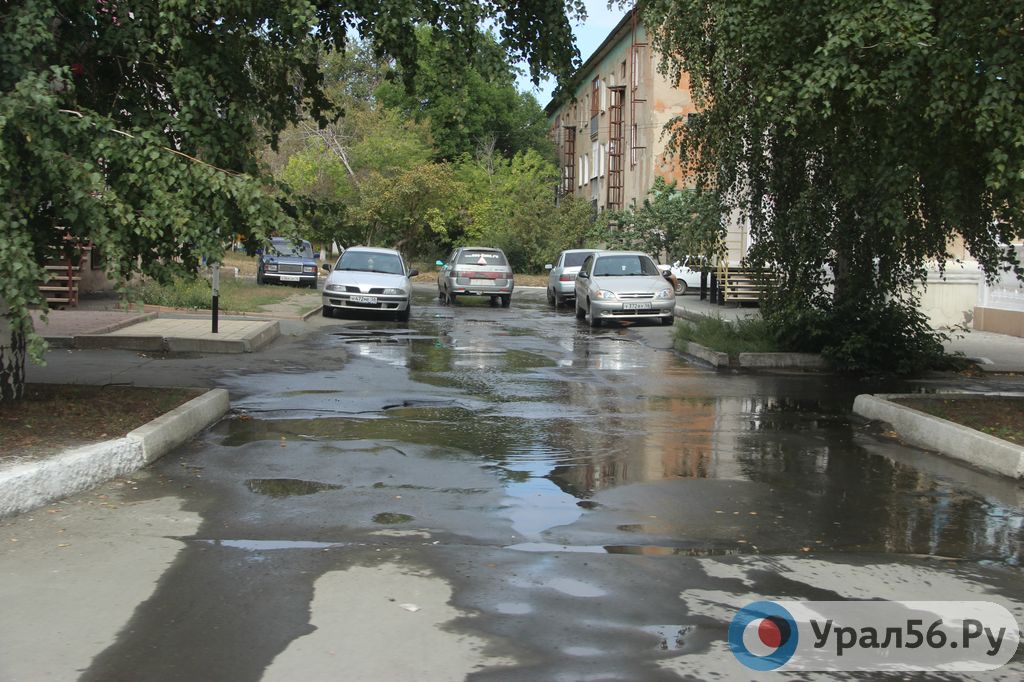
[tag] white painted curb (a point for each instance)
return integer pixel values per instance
(34, 484)
(953, 440)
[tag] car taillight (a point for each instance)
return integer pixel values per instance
(566, 278)
(457, 274)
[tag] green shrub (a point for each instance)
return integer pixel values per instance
(865, 335)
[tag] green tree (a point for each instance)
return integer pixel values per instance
(138, 127)
(510, 203)
(473, 106)
(670, 223)
(859, 138)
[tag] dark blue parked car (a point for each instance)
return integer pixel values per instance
(285, 261)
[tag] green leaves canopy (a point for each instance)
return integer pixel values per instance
(859, 138)
(136, 125)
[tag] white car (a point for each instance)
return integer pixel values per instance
(562, 275)
(623, 285)
(686, 277)
(367, 278)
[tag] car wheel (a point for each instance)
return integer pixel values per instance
(403, 315)
(327, 311)
(506, 300)
(680, 287)
(259, 277)
(440, 295)
(594, 320)
(580, 312)
(552, 299)
(453, 298)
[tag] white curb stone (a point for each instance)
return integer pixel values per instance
(953, 440)
(33, 484)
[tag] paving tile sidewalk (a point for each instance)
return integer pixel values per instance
(61, 324)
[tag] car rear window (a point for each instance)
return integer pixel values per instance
(482, 258)
(575, 259)
(284, 247)
(625, 266)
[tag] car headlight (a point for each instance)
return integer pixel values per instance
(309, 268)
(334, 287)
(664, 294)
(271, 267)
(605, 295)
(394, 292)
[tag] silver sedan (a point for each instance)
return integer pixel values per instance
(622, 285)
(369, 279)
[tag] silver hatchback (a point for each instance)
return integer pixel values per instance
(623, 285)
(475, 271)
(562, 275)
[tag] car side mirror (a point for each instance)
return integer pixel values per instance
(666, 274)
(439, 263)
(549, 266)
(259, 252)
(582, 275)
(316, 255)
(327, 267)
(413, 273)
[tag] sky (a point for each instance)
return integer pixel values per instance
(589, 36)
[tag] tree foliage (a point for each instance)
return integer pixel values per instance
(137, 126)
(859, 138)
(670, 223)
(471, 107)
(509, 203)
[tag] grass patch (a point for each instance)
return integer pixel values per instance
(52, 417)
(999, 417)
(743, 336)
(235, 295)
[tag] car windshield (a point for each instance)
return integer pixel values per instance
(482, 258)
(625, 266)
(575, 259)
(370, 261)
(285, 247)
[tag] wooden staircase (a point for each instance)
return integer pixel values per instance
(64, 278)
(740, 284)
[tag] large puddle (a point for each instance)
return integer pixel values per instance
(565, 417)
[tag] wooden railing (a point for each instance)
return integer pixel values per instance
(740, 284)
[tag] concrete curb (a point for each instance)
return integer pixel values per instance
(252, 341)
(782, 361)
(713, 358)
(205, 314)
(800, 361)
(978, 449)
(33, 484)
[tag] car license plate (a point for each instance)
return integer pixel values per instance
(289, 278)
(363, 299)
(481, 282)
(636, 306)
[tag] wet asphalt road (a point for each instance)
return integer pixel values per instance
(509, 495)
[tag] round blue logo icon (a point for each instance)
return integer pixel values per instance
(763, 635)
